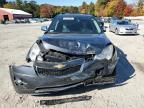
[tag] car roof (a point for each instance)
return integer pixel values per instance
(74, 15)
(120, 20)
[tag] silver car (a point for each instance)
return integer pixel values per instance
(123, 27)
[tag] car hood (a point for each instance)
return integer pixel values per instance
(128, 26)
(76, 43)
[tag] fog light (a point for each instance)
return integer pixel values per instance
(20, 82)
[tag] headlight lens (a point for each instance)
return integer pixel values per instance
(33, 52)
(106, 53)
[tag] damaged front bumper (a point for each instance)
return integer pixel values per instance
(37, 79)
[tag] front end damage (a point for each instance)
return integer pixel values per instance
(55, 69)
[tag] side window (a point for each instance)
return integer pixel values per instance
(97, 26)
(54, 25)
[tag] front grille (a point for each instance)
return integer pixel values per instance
(57, 72)
(129, 28)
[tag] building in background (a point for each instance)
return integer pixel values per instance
(11, 14)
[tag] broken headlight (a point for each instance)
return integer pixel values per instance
(106, 53)
(33, 52)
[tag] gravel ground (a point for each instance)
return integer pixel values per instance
(15, 40)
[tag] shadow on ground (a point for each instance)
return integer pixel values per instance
(129, 35)
(125, 71)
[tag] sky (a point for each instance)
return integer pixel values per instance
(70, 2)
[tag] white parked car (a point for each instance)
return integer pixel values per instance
(123, 27)
(32, 21)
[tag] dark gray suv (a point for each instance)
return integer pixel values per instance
(73, 51)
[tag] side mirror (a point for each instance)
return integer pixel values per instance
(44, 28)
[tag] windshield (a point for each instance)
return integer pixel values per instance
(74, 25)
(123, 23)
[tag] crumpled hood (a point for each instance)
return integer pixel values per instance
(76, 42)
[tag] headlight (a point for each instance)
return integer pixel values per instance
(33, 52)
(106, 53)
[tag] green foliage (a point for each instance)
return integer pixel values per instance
(102, 2)
(140, 3)
(91, 8)
(10, 5)
(141, 7)
(84, 8)
(66, 9)
(110, 8)
(87, 8)
(2, 2)
(31, 7)
(100, 7)
(19, 4)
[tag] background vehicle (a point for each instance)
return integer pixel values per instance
(123, 27)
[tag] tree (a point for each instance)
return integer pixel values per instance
(120, 6)
(128, 10)
(84, 8)
(19, 4)
(72, 9)
(141, 7)
(46, 11)
(110, 8)
(100, 7)
(140, 3)
(31, 7)
(91, 8)
(2, 2)
(135, 13)
(102, 2)
(10, 5)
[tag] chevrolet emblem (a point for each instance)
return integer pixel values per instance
(59, 66)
